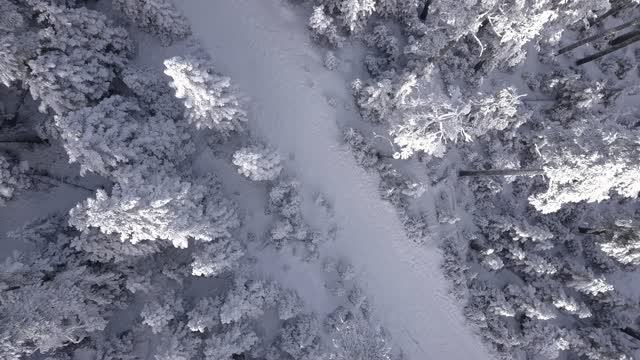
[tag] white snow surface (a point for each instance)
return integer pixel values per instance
(263, 45)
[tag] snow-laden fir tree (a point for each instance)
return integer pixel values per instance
(13, 177)
(159, 206)
(324, 30)
(215, 257)
(161, 310)
(104, 248)
(205, 315)
(176, 342)
(247, 299)
(588, 162)
(289, 304)
(299, 337)
(353, 14)
(152, 91)
(258, 163)
(80, 52)
(209, 99)
(353, 337)
(428, 125)
(230, 340)
(115, 133)
(158, 17)
(622, 242)
(17, 42)
(51, 297)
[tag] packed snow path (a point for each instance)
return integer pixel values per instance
(263, 45)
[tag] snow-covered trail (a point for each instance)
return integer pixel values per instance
(263, 45)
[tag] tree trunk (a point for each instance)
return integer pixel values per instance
(44, 177)
(25, 140)
(600, 54)
(502, 172)
(583, 230)
(425, 10)
(624, 37)
(602, 34)
(612, 11)
(631, 332)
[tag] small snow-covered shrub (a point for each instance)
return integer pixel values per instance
(330, 60)
(258, 163)
(13, 178)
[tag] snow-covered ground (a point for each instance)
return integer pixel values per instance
(264, 47)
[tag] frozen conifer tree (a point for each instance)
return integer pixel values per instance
(209, 99)
(104, 248)
(324, 30)
(48, 299)
(17, 43)
(247, 299)
(205, 315)
(299, 337)
(152, 91)
(160, 311)
(258, 163)
(13, 178)
(158, 17)
(44, 317)
(160, 206)
(289, 304)
(231, 340)
(622, 242)
(427, 125)
(354, 338)
(12, 66)
(115, 133)
(354, 13)
(80, 54)
(588, 162)
(216, 257)
(176, 342)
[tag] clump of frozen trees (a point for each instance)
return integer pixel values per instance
(124, 124)
(553, 196)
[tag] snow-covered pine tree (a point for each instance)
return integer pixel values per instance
(115, 133)
(428, 125)
(215, 257)
(205, 315)
(159, 206)
(247, 299)
(588, 161)
(79, 54)
(324, 30)
(153, 92)
(230, 341)
(158, 17)
(209, 99)
(158, 312)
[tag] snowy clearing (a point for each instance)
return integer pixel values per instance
(263, 47)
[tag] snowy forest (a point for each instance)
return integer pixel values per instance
(319, 179)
